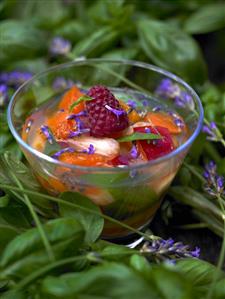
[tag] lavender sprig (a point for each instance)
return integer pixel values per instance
(78, 132)
(115, 111)
(62, 151)
(90, 150)
(15, 78)
(59, 46)
(169, 249)
(169, 90)
(214, 184)
(134, 152)
(46, 131)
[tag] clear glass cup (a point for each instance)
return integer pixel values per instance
(131, 194)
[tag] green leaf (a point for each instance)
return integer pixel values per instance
(92, 223)
(20, 40)
(219, 292)
(172, 49)
(30, 241)
(30, 65)
(139, 263)
(96, 43)
(14, 295)
(78, 101)
(199, 272)
(73, 30)
(7, 234)
(139, 136)
(4, 200)
(208, 18)
(121, 280)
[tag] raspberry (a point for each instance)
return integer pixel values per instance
(156, 148)
(105, 114)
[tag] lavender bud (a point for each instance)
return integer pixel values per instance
(59, 46)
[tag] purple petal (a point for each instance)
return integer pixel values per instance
(45, 130)
(132, 104)
(115, 111)
(60, 46)
(134, 152)
(62, 151)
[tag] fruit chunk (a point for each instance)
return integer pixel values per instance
(105, 114)
(69, 98)
(154, 149)
(108, 147)
(163, 120)
(60, 125)
(84, 159)
(133, 116)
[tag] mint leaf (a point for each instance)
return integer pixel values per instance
(139, 136)
(81, 99)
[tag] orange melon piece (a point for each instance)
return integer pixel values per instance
(84, 159)
(69, 98)
(163, 120)
(60, 125)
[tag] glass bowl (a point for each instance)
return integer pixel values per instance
(131, 194)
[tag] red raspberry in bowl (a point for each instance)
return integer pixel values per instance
(106, 116)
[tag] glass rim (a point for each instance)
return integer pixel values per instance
(82, 61)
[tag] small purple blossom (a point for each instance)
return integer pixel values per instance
(134, 152)
(61, 83)
(14, 78)
(78, 132)
(212, 131)
(169, 249)
(132, 104)
(169, 90)
(46, 131)
(178, 122)
(156, 108)
(214, 183)
(3, 95)
(62, 151)
(75, 116)
(90, 150)
(147, 130)
(59, 46)
(145, 103)
(115, 111)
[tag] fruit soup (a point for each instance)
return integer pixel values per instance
(112, 129)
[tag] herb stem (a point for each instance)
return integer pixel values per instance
(40, 272)
(222, 253)
(59, 200)
(35, 217)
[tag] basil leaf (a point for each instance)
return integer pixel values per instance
(206, 19)
(96, 43)
(93, 223)
(84, 98)
(172, 49)
(30, 241)
(20, 40)
(139, 136)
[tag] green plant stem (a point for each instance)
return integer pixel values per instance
(195, 172)
(218, 133)
(36, 219)
(59, 200)
(40, 272)
(221, 256)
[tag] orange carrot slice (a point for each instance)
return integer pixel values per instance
(69, 98)
(163, 120)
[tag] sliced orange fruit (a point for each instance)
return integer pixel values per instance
(60, 125)
(163, 120)
(84, 159)
(69, 98)
(133, 116)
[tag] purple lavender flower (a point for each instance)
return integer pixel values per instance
(61, 83)
(75, 116)
(169, 249)
(78, 132)
(46, 131)
(115, 111)
(168, 89)
(134, 152)
(59, 46)
(212, 131)
(14, 78)
(3, 95)
(178, 122)
(132, 104)
(214, 183)
(90, 150)
(145, 103)
(62, 151)
(156, 108)
(147, 130)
